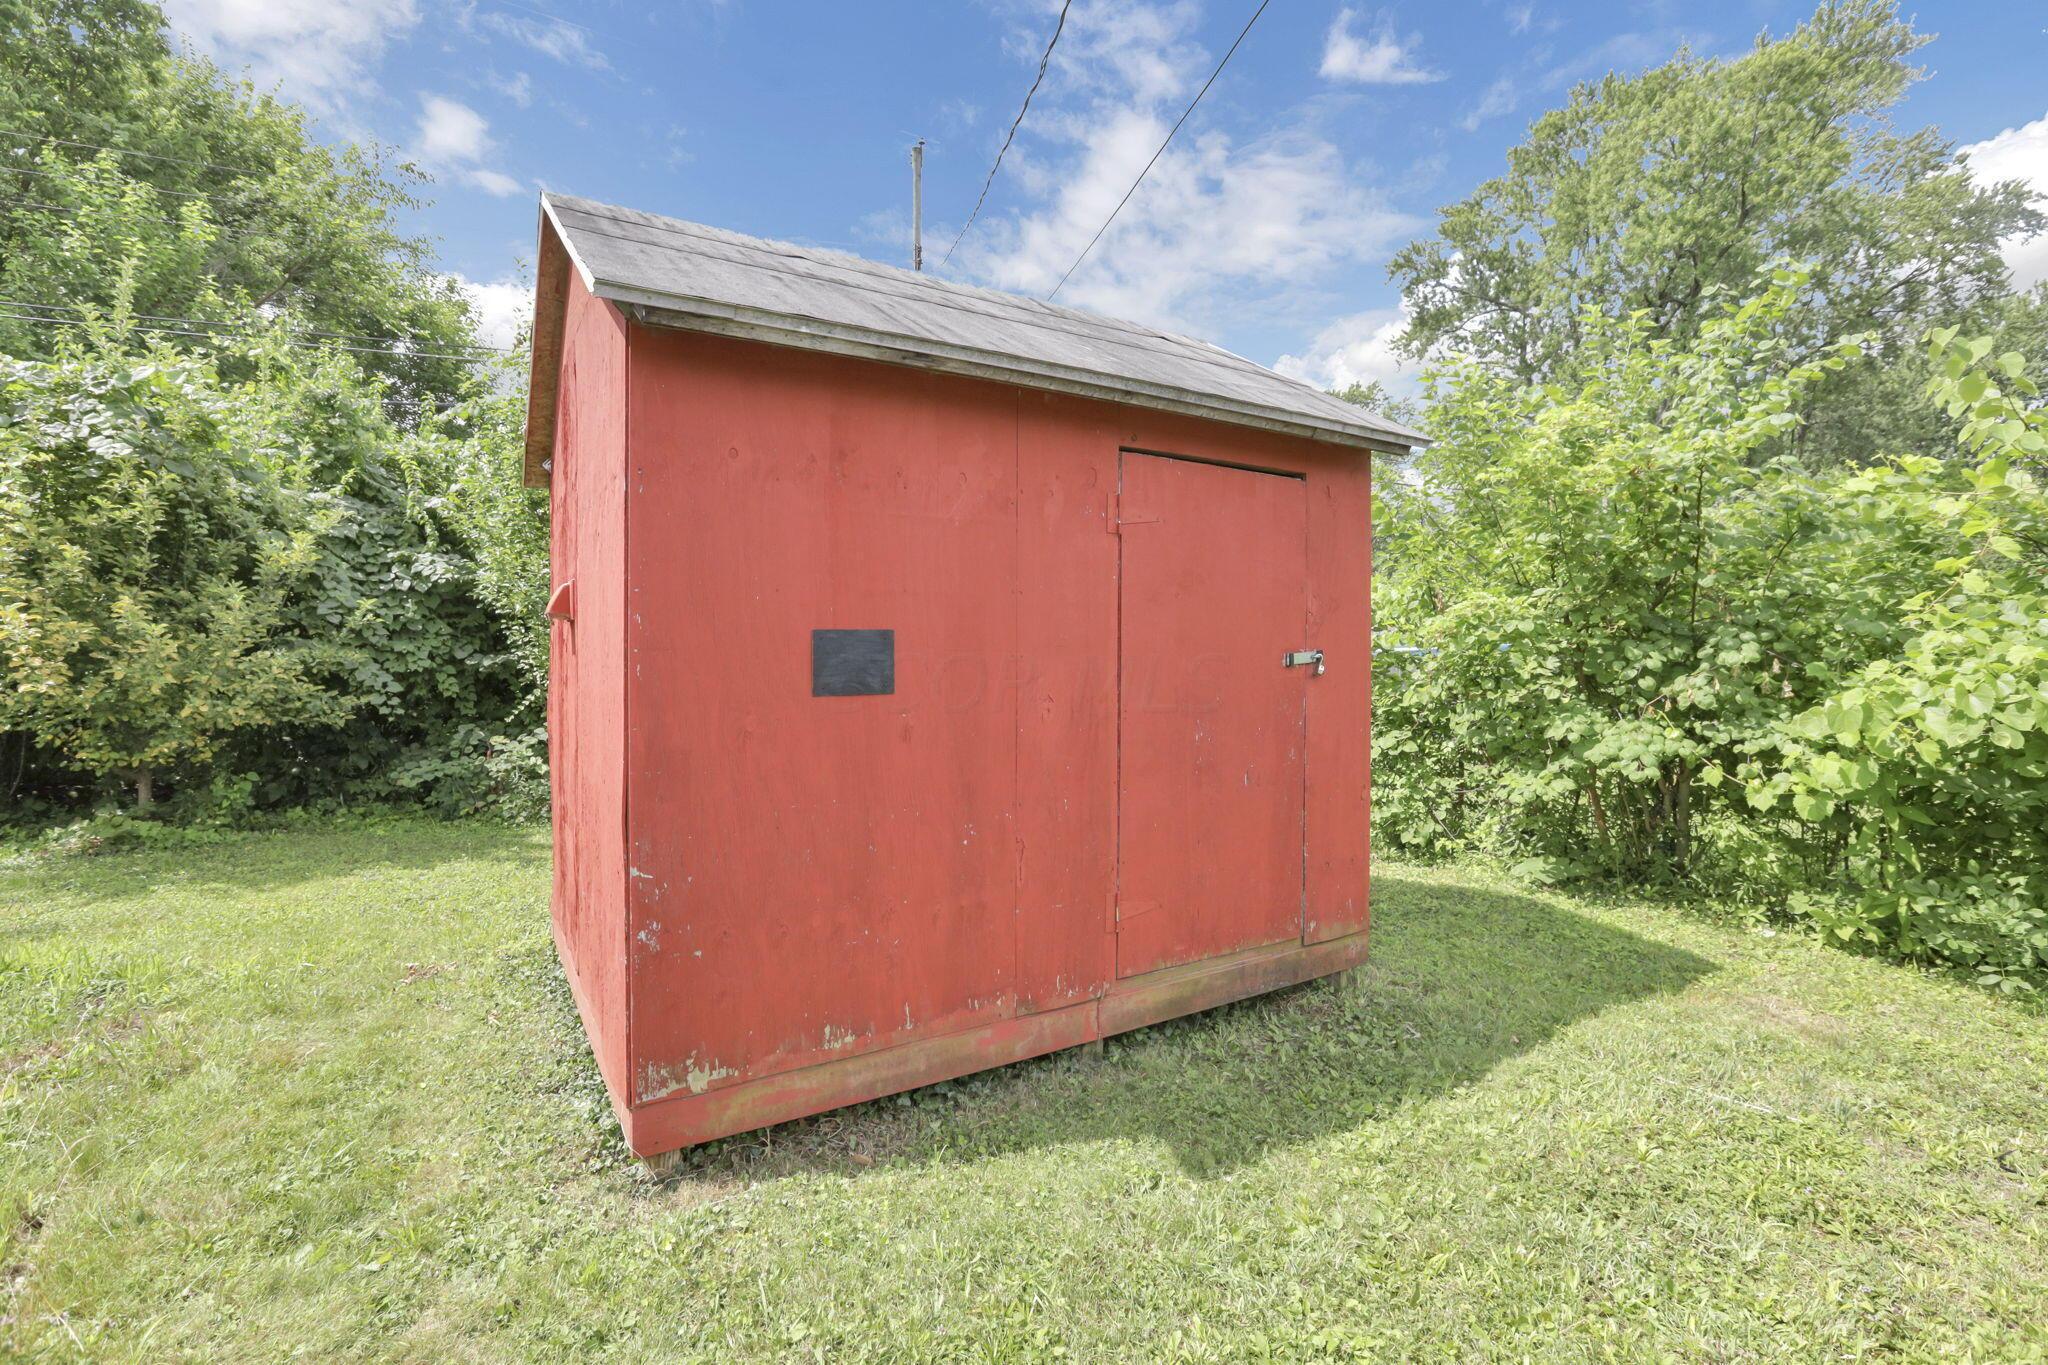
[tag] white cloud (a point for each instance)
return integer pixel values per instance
(1520, 17)
(490, 181)
(319, 51)
(451, 131)
(517, 87)
(1220, 230)
(1358, 349)
(502, 307)
(2017, 154)
(1381, 59)
(455, 140)
(1500, 98)
(1623, 52)
(557, 38)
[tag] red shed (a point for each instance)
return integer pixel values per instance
(941, 677)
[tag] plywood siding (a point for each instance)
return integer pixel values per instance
(587, 692)
(814, 879)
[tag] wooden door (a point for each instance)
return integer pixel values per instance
(1211, 724)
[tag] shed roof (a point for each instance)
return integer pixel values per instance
(668, 272)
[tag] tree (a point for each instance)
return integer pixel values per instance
(147, 565)
(1599, 592)
(1930, 763)
(339, 643)
(118, 149)
(1663, 195)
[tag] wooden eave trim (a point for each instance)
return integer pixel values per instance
(720, 319)
(550, 310)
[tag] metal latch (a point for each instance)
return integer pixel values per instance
(1301, 657)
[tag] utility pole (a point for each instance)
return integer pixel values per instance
(917, 205)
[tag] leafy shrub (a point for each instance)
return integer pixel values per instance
(1613, 587)
(147, 568)
(1932, 763)
(249, 573)
(474, 772)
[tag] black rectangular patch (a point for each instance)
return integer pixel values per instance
(853, 663)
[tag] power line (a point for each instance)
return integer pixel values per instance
(1156, 155)
(176, 194)
(1043, 62)
(236, 328)
(36, 204)
(471, 356)
(64, 209)
(126, 151)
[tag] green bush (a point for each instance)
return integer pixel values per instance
(148, 566)
(1932, 762)
(241, 586)
(1626, 632)
(1613, 586)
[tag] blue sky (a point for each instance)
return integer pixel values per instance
(1331, 138)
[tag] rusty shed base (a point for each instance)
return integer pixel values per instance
(1134, 1002)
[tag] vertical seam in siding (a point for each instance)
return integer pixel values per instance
(1017, 883)
(630, 1062)
(1309, 616)
(1116, 701)
(1366, 793)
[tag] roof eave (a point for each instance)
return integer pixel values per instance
(724, 319)
(656, 309)
(553, 259)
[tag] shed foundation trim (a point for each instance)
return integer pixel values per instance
(1135, 1002)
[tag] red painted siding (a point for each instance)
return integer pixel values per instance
(814, 877)
(1210, 725)
(772, 902)
(586, 685)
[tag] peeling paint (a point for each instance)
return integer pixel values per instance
(659, 1082)
(837, 1038)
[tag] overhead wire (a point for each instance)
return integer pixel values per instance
(235, 327)
(1036, 81)
(205, 327)
(534, 9)
(176, 194)
(127, 151)
(471, 356)
(1156, 155)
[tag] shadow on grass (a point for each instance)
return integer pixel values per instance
(1460, 980)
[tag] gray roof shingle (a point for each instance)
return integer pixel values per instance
(677, 273)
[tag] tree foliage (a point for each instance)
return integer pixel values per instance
(147, 567)
(1660, 196)
(1931, 761)
(135, 178)
(1608, 585)
(157, 218)
(1629, 631)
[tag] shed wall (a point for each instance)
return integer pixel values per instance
(587, 690)
(812, 879)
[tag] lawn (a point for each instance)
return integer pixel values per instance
(323, 1094)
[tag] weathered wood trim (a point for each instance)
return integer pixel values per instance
(722, 319)
(543, 385)
(1154, 997)
(683, 1120)
(593, 1023)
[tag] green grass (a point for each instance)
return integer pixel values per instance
(323, 1094)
